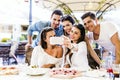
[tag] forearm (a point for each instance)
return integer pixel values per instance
(95, 56)
(117, 59)
(29, 39)
(48, 66)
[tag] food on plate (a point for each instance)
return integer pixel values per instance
(35, 66)
(9, 70)
(64, 73)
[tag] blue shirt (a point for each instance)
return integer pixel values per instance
(38, 26)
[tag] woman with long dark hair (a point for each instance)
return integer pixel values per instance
(77, 56)
(47, 55)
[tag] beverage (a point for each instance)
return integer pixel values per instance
(116, 74)
(116, 70)
(110, 70)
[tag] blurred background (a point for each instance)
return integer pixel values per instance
(17, 15)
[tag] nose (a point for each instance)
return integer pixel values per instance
(56, 22)
(86, 26)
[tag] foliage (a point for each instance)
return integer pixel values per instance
(5, 39)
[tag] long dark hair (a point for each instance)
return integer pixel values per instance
(43, 36)
(82, 32)
(67, 18)
(82, 38)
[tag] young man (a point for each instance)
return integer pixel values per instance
(38, 26)
(104, 33)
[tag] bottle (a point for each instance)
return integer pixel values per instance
(109, 65)
(109, 60)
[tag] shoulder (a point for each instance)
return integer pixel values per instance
(112, 27)
(108, 24)
(81, 44)
(38, 48)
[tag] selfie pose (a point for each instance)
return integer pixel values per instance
(105, 34)
(47, 55)
(76, 57)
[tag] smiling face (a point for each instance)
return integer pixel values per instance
(55, 21)
(89, 24)
(75, 34)
(67, 25)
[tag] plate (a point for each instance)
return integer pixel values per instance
(65, 73)
(9, 70)
(37, 71)
(95, 73)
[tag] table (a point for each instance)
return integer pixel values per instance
(22, 76)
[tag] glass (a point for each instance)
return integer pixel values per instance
(116, 70)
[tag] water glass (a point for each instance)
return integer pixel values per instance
(116, 70)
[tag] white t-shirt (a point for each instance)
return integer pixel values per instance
(107, 30)
(40, 57)
(79, 58)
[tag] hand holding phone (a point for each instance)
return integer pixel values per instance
(56, 40)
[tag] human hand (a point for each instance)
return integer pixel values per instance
(48, 66)
(66, 42)
(27, 46)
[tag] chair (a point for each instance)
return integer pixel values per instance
(4, 52)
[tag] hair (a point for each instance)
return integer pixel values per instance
(43, 36)
(68, 18)
(89, 14)
(82, 32)
(57, 12)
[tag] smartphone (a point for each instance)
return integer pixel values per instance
(56, 40)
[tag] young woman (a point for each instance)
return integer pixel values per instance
(77, 48)
(67, 22)
(46, 55)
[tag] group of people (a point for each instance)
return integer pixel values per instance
(76, 45)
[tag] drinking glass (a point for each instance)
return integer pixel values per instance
(116, 70)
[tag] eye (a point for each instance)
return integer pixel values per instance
(84, 23)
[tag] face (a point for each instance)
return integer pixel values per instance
(48, 35)
(75, 34)
(67, 25)
(89, 24)
(55, 20)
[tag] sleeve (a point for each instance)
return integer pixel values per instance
(34, 57)
(36, 27)
(38, 57)
(112, 29)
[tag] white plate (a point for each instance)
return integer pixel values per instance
(37, 71)
(95, 73)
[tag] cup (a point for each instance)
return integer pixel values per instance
(116, 70)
